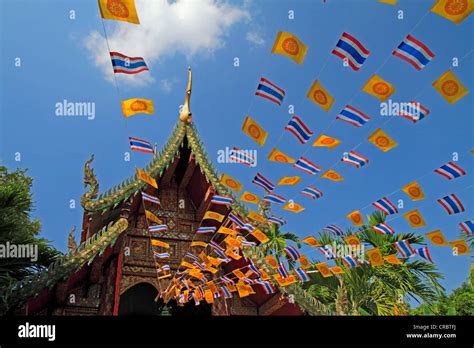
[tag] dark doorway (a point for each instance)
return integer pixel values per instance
(190, 309)
(139, 300)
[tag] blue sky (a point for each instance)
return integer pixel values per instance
(61, 60)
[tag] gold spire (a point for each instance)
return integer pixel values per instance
(185, 115)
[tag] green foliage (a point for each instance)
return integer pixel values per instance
(278, 241)
(17, 227)
(378, 290)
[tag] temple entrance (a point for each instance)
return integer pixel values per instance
(139, 300)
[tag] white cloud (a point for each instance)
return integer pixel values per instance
(188, 27)
(255, 38)
(167, 85)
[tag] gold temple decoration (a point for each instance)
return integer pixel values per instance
(71, 243)
(186, 115)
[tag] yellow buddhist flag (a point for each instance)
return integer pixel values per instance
(159, 243)
(271, 261)
(284, 281)
(415, 219)
(336, 270)
(289, 180)
(290, 46)
(352, 239)
(238, 273)
(254, 216)
(454, 10)
(249, 198)
(293, 206)
(327, 141)
(265, 275)
(231, 183)
(225, 230)
(230, 252)
(379, 88)
(259, 235)
(375, 257)
(204, 257)
(414, 191)
(323, 269)
(332, 175)
(437, 238)
(213, 261)
(134, 106)
(311, 241)
(165, 276)
(356, 218)
(304, 262)
(211, 215)
(390, 2)
(449, 86)
(393, 259)
(146, 178)
(459, 247)
(320, 96)
(199, 244)
(208, 296)
(278, 156)
(253, 130)
(152, 217)
(187, 264)
(381, 139)
(243, 289)
(119, 10)
(235, 243)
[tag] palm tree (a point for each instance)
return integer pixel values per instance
(278, 241)
(378, 290)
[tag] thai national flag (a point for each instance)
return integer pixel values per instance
(404, 248)
(353, 116)
(161, 255)
(307, 166)
(248, 227)
(267, 287)
(216, 246)
(235, 219)
(424, 253)
(302, 275)
(140, 145)
(157, 228)
(221, 200)
(350, 49)
(248, 281)
(327, 251)
(242, 156)
(350, 261)
(150, 198)
(450, 171)
(312, 192)
(299, 129)
(468, 227)
(246, 243)
(262, 182)
(127, 65)
(273, 198)
(292, 253)
(282, 270)
(385, 206)
(355, 159)
(226, 279)
(192, 257)
(334, 230)
(254, 269)
(452, 204)
(199, 265)
(276, 220)
(204, 230)
(383, 228)
(414, 112)
(227, 293)
(414, 52)
(268, 90)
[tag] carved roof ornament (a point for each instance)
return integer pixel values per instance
(71, 243)
(186, 115)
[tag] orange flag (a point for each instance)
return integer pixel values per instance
(323, 269)
(352, 240)
(415, 219)
(459, 247)
(379, 88)
(381, 139)
(320, 96)
(332, 175)
(437, 238)
(249, 198)
(326, 141)
(375, 257)
(414, 191)
(311, 241)
(356, 218)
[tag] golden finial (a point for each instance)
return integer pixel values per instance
(71, 243)
(186, 115)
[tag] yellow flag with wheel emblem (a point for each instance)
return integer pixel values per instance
(289, 180)
(332, 175)
(352, 240)
(293, 206)
(212, 215)
(278, 156)
(318, 95)
(415, 219)
(323, 269)
(437, 238)
(414, 191)
(249, 198)
(375, 257)
(327, 141)
(379, 88)
(454, 10)
(231, 183)
(253, 130)
(381, 139)
(152, 217)
(146, 178)
(449, 86)
(134, 106)
(119, 10)
(290, 46)
(356, 218)
(459, 247)
(311, 241)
